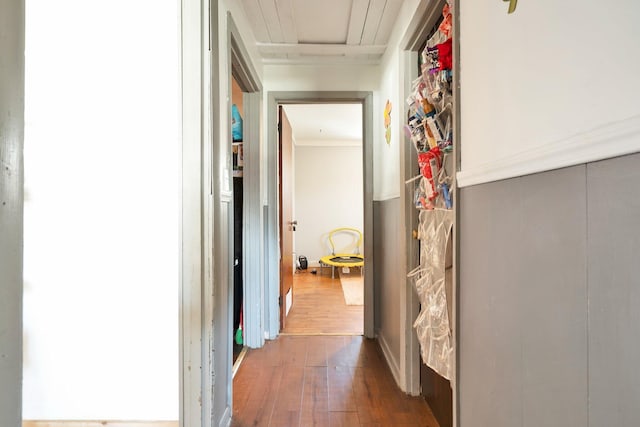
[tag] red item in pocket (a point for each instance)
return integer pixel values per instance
(429, 163)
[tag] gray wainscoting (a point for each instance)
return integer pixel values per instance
(613, 269)
(549, 293)
(386, 220)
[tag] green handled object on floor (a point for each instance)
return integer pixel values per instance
(238, 336)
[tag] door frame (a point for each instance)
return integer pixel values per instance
(286, 265)
(195, 361)
(12, 90)
(252, 267)
(426, 15)
(272, 249)
(205, 349)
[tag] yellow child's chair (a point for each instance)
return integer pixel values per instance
(343, 259)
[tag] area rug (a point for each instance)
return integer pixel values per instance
(352, 288)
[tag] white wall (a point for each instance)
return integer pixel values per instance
(102, 152)
(550, 85)
(387, 181)
(328, 195)
(387, 156)
(344, 78)
(319, 77)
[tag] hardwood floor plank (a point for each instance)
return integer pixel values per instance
(292, 385)
(293, 350)
(284, 418)
(349, 351)
(343, 419)
(315, 397)
(341, 396)
(241, 382)
(286, 410)
(317, 351)
(367, 395)
(339, 352)
(262, 395)
(349, 385)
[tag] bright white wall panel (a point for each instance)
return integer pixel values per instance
(548, 86)
(321, 77)
(328, 195)
(387, 155)
(102, 153)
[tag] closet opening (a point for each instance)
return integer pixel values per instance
(430, 164)
(237, 114)
(245, 294)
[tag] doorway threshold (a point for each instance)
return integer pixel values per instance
(321, 334)
(238, 362)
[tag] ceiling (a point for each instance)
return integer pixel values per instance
(326, 124)
(313, 31)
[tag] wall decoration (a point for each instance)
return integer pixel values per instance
(387, 122)
(512, 5)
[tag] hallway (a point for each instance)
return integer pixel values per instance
(322, 381)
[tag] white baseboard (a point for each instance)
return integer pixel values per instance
(394, 367)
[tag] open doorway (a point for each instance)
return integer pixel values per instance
(237, 114)
(244, 119)
(272, 253)
(431, 81)
(321, 191)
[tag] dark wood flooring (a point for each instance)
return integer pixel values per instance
(322, 381)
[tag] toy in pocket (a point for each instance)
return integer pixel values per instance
(445, 55)
(430, 163)
(446, 26)
(236, 123)
(431, 138)
(446, 145)
(446, 194)
(419, 138)
(415, 131)
(428, 109)
(434, 89)
(435, 128)
(421, 200)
